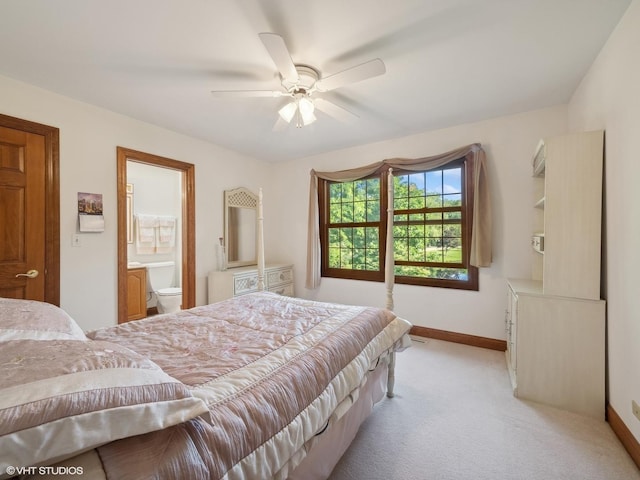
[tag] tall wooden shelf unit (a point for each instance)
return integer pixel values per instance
(555, 322)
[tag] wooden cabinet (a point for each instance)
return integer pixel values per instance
(555, 322)
(136, 293)
(568, 173)
(243, 280)
(556, 348)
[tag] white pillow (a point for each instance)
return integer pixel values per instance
(33, 320)
(59, 398)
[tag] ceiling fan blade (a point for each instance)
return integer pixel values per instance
(247, 93)
(280, 55)
(369, 69)
(334, 110)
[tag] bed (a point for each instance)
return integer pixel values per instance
(255, 387)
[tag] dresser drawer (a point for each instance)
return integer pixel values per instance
(240, 281)
(286, 290)
(243, 284)
(279, 277)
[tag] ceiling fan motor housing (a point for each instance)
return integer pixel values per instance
(307, 77)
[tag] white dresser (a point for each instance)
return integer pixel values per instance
(242, 280)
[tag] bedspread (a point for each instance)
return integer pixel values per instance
(271, 370)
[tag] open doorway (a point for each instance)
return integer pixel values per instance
(185, 229)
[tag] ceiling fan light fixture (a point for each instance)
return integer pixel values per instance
(301, 108)
(288, 111)
(306, 107)
(307, 118)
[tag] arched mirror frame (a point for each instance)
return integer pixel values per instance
(244, 199)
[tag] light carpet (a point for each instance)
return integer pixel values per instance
(454, 417)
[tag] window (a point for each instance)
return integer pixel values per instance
(431, 227)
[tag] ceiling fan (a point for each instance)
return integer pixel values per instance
(305, 84)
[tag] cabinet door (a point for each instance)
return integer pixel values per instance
(573, 215)
(137, 294)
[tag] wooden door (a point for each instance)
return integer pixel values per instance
(29, 212)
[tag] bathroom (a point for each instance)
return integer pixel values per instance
(154, 211)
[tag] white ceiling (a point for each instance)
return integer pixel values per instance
(448, 62)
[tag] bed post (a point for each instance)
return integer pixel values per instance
(260, 241)
(389, 271)
(391, 378)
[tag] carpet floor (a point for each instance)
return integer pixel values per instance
(454, 418)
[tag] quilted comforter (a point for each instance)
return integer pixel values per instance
(272, 371)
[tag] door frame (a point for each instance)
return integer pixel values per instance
(188, 224)
(52, 200)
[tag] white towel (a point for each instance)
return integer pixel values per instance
(165, 234)
(146, 233)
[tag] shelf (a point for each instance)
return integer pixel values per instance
(539, 159)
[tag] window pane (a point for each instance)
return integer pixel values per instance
(416, 231)
(347, 213)
(359, 240)
(434, 182)
(400, 231)
(359, 259)
(452, 200)
(434, 201)
(452, 215)
(372, 237)
(334, 257)
(453, 254)
(417, 250)
(452, 230)
(417, 202)
(417, 184)
(359, 212)
(435, 254)
(347, 191)
(401, 249)
(373, 259)
(360, 190)
(335, 192)
(373, 211)
(452, 179)
(373, 189)
(400, 203)
(434, 231)
(334, 237)
(346, 258)
(335, 212)
(346, 237)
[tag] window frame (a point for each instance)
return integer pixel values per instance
(467, 195)
(323, 196)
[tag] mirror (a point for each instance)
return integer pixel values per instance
(240, 218)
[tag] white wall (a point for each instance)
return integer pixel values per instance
(609, 98)
(88, 140)
(156, 191)
(509, 143)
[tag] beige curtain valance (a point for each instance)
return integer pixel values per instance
(481, 228)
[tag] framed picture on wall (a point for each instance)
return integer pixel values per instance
(90, 212)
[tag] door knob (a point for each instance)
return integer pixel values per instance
(29, 274)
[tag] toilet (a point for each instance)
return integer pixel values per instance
(161, 283)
